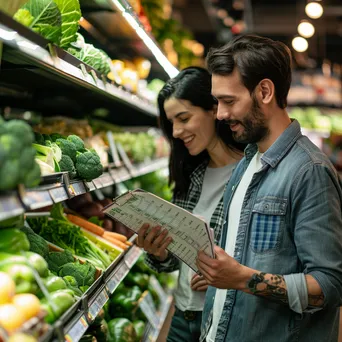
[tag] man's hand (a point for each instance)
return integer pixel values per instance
(198, 283)
(224, 272)
(154, 242)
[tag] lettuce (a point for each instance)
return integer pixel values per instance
(71, 14)
(47, 18)
(24, 17)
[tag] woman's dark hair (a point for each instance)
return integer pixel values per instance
(194, 85)
(256, 58)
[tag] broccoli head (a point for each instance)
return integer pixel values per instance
(77, 141)
(9, 174)
(37, 243)
(38, 138)
(83, 273)
(66, 164)
(56, 260)
(32, 177)
(26, 159)
(72, 284)
(68, 148)
(11, 146)
(55, 136)
(21, 130)
(88, 166)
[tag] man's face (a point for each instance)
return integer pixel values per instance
(239, 109)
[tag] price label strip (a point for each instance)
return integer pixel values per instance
(37, 199)
(147, 307)
(77, 331)
(10, 206)
(97, 304)
(89, 186)
(78, 188)
(107, 180)
(98, 183)
(132, 257)
(58, 194)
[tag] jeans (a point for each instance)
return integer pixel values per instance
(182, 329)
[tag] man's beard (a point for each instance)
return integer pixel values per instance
(254, 124)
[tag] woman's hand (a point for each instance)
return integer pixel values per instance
(155, 241)
(198, 283)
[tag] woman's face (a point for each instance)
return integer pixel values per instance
(191, 124)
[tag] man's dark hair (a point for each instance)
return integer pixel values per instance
(256, 58)
(194, 85)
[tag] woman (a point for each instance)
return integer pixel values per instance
(203, 156)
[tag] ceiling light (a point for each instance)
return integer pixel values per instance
(314, 10)
(300, 44)
(306, 29)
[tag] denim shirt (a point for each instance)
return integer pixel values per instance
(290, 224)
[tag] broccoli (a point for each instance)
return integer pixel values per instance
(11, 146)
(32, 177)
(72, 284)
(68, 148)
(9, 174)
(56, 260)
(88, 165)
(26, 159)
(37, 243)
(83, 273)
(21, 130)
(77, 141)
(38, 138)
(55, 136)
(66, 164)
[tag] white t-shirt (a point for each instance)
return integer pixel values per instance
(233, 225)
(213, 185)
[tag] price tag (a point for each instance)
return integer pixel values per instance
(157, 287)
(10, 206)
(98, 183)
(147, 307)
(121, 273)
(77, 331)
(58, 194)
(37, 199)
(78, 188)
(112, 284)
(97, 305)
(89, 186)
(107, 180)
(132, 256)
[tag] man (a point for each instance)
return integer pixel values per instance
(278, 273)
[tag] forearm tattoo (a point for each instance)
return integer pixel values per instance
(268, 285)
(273, 286)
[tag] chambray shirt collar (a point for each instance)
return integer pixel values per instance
(279, 148)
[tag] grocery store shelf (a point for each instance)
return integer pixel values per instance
(21, 200)
(32, 75)
(73, 330)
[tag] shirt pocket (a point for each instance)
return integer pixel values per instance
(268, 220)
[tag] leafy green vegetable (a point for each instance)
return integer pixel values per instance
(83, 273)
(47, 18)
(72, 284)
(24, 17)
(71, 14)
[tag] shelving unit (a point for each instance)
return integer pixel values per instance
(17, 202)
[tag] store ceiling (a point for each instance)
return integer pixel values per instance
(276, 19)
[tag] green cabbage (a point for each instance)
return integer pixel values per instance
(71, 14)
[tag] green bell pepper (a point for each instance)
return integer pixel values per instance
(13, 241)
(54, 283)
(139, 327)
(38, 263)
(121, 330)
(138, 279)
